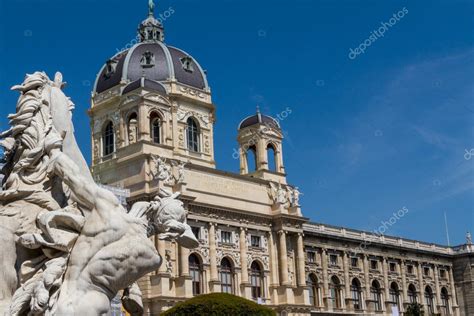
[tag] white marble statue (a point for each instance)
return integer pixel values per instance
(294, 196)
(180, 166)
(64, 240)
(278, 194)
(163, 170)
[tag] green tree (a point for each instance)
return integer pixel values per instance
(414, 309)
(218, 304)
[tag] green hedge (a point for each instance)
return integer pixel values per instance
(218, 304)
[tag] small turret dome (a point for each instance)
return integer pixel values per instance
(259, 118)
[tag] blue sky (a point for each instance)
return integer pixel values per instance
(365, 137)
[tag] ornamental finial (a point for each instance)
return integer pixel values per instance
(151, 7)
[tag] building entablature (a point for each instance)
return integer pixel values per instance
(369, 239)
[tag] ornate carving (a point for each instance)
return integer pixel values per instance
(294, 196)
(192, 92)
(182, 114)
(98, 125)
(157, 98)
(130, 99)
(164, 171)
(278, 194)
(63, 237)
(168, 263)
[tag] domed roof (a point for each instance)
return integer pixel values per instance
(259, 118)
(151, 59)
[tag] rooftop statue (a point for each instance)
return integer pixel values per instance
(65, 240)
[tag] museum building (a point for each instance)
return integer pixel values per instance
(152, 119)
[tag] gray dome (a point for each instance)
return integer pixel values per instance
(259, 118)
(151, 59)
(166, 62)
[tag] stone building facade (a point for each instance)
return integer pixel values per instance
(152, 120)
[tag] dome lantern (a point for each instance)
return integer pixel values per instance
(151, 29)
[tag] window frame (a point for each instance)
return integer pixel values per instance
(195, 272)
(108, 139)
(254, 238)
(154, 129)
(256, 281)
(193, 135)
(226, 276)
(226, 240)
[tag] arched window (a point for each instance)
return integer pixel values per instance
(256, 280)
(271, 154)
(155, 128)
(132, 128)
(412, 294)
(195, 271)
(313, 285)
(445, 301)
(376, 293)
(394, 294)
(192, 133)
(226, 276)
(335, 292)
(251, 158)
(356, 294)
(108, 139)
(429, 300)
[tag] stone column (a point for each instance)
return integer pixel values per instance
(279, 159)
(161, 246)
(213, 252)
(421, 284)
(367, 280)
(243, 161)
(273, 259)
(437, 289)
(454, 301)
(183, 261)
(301, 261)
(243, 255)
(262, 159)
(122, 132)
(385, 281)
(324, 265)
(143, 123)
(283, 254)
(175, 134)
(404, 284)
(347, 282)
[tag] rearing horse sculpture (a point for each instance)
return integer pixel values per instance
(64, 239)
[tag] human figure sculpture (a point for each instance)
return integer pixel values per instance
(75, 242)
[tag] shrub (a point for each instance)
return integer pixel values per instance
(414, 309)
(218, 304)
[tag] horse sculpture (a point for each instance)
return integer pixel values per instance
(64, 239)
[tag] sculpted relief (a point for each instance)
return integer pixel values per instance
(64, 239)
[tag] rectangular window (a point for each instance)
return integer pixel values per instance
(333, 260)
(226, 237)
(354, 262)
(426, 271)
(196, 232)
(442, 274)
(410, 269)
(393, 267)
(255, 241)
(373, 264)
(311, 256)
